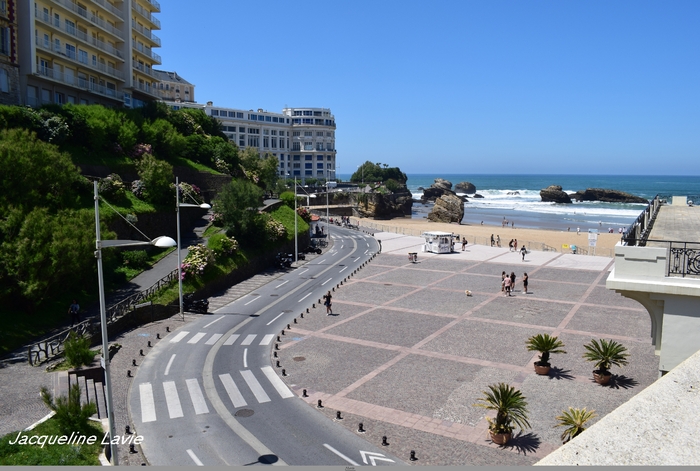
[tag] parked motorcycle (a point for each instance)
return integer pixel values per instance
(311, 249)
(199, 306)
(284, 260)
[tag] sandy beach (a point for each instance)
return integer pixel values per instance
(535, 239)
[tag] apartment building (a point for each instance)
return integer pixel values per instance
(172, 87)
(88, 51)
(9, 67)
(302, 139)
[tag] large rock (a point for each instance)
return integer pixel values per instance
(379, 206)
(448, 208)
(465, 187)
(554, 194)
(607, 196)
(437, 189)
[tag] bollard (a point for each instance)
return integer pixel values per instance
(295, 320)
(274, 354)
(314, 305)
(133, 363)
(361, 429)
(282, 331)
(279, 339)
(338, 416)
(289, 327)
(302, 315)
(320, 404)
(149, 343)
(128, 373)
(278, 364)
(141, 352)
(384, 442)
(413, 456)
(277, 346)
(127, 430)
(167, 328)
(158, 336)
(303, 393)
(333, 288)
(284, 372)
(132, 448)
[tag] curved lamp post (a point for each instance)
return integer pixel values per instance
(179, 205)
(162, 241)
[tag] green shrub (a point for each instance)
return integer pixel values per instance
(77, 351)
(157, 177)
(288, 198)
(72, 416)
(222, 245)
(135, 258)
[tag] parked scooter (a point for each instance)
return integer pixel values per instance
(284, 260)
(189, 304)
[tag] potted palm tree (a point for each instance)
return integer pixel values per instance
(511, 408)
(604, 354)
(574, 421)
(546, 345)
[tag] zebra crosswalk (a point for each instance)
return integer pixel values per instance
(180, 400)
(249, 339)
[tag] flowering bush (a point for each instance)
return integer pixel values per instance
(196, 261)
(138, 188)
(304, 214)
(222, 245)
(190, 193)
(140, 149)
(273, 229)
(111, 186)
(222, 166)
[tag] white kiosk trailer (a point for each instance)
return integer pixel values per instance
(438, 242)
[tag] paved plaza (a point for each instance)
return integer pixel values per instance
(407, 352)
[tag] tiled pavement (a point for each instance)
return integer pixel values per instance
(407, 353)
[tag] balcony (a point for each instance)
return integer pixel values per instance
(145, 32)
(147, 88)
(106, 69)
(79, 35)
(110, 8)
(146, 70)
(75, 8)
(146, 14)
(77, 82)
(155, 5)
(146, 51)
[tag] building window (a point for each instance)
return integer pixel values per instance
(56, 20)
(308, 157)
(70, 27)
(5, 41)
(319, 165)
(275, 119)
(253, 141)
(46, 42)
(266, 132)
(241, 129)
(4, 81)
(239, 115)
(268, 118)
(266, 142)
(94, 60)
(296, 133)
(308, 165)
(319, 146)
(319, 134)
(296, 121)
(215, 112)
(231, 114)
(319, 157)
(297, 157)
(308, 134)
(308, 121)
(70, 51)
(274, 132)
(308, 113)
(297, 113)
(59, 98)
(308, 146)
(252, 117)
(241, 141)
(274, 143)
(296, 146)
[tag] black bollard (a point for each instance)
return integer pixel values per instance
(141, 352)
(295, 320)
(302, 315)
(277, 346)
(307, 310)
(158, 336)
(303, 393)
(289, 327)
(338, 416)
(132, 448)
(149, 343)
(279, 339)
(127, 430)
(384, 442)
(282, 331)
(278, 364)
(320, 404)
(284, 372)
(361, 429)
(274, 354)
(167, 328)
(413, 456)
(133, 363)
(128, 373)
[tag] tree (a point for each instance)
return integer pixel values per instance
(238, 205)
(574, 421)
(71, 415)
(158, 177)
(378, 172)
(510, 407)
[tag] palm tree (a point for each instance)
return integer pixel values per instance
(510, 406)
(574, 420)
(605, 354)
(546, 345)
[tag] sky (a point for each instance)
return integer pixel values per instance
(459, 86)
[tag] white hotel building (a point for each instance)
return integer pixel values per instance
(302, 139)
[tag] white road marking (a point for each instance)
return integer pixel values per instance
(329, 279)
(245, 358)
(334, 254)
(167, 368)
(281, 284)
(179, 336)
(276, 382)
(342, 246)
(194, 458)
(197, 337)
(172, 400)
(254, 299)
(366, 251)
(368, 244)
(249, 339)
(341, 271)
(357, 259)
(373, 456)
(254, 386)
(148, 406)
(215, 320)
(341, 455)
(200, 405)
(212, 340)
(267, 339)
(273, 320)
(302, 299)
(320, 261)
(231, 339)
(232, 390)
(302, 272)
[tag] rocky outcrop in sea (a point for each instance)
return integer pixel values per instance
(465, 187)
(554, 194)
(448, 208)
(383, 206)
(607, 196)
(437, 189)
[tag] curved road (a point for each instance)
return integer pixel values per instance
(208, 395)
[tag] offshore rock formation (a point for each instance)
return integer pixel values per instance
(465, 187)
(607, 196)
(448, 208)
(555, 194)
(381, 206)
(437, 189)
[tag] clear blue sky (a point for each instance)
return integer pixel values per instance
(593, 87)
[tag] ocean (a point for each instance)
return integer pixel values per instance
(516, 198)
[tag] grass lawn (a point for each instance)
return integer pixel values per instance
(51, 455)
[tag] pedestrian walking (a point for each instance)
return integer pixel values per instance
(498, 240)
(512, 280)
(510, 245)
(503, 281)
(578, 231)
(515, 245)
(327, 302)
(507, 285)
(74, 311)
(523, 251)
(492, 240)
(464, 243)
(525, 283)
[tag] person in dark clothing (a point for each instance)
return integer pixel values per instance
(327, 302)
(74, 311)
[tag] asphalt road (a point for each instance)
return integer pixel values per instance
(210, 392)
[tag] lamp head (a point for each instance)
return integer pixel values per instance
(164, 241)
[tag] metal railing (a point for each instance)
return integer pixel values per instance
(53, 346)
(639, 230)
(682, 258)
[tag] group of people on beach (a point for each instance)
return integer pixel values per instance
(508, 283)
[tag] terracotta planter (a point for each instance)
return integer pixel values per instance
(601, 379)
(500, 438)
(542, 369)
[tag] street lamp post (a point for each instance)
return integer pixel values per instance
(179, 205)
(328, 228)
(99, 244)
(296, 231)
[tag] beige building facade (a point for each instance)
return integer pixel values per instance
(9, 67)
